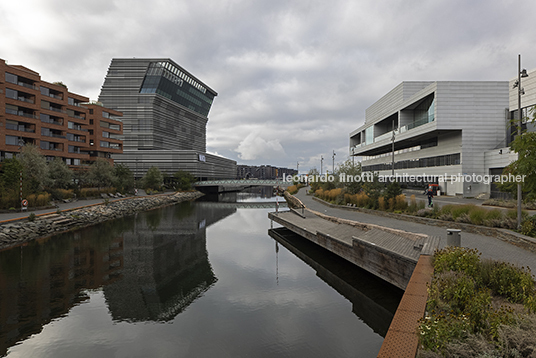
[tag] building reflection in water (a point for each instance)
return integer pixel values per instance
(166, 263)
(150, 267)
(46, 278)
(373, 300)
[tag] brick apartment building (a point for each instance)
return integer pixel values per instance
(60, 123)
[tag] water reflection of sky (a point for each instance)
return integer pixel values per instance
(262, 304)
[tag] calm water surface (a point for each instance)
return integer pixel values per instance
(192, 280)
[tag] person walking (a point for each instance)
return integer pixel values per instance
(430, 194)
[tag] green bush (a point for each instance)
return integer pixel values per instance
(31, 217)
(457, 259)
(460, 300)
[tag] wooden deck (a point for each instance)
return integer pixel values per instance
(387, 253)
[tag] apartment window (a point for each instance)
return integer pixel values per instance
(12, 140)
(104, 144)
(11, 93)
(11, 78)
(45, 91)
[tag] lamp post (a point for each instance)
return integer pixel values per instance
(321, 162)
(393, 150)
(520, 74)
(333, 162)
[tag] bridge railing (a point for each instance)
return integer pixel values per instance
(244, 182)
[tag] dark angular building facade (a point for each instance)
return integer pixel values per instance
(165, 113)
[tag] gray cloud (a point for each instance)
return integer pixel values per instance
(294, 78)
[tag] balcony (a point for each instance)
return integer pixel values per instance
(52, 95)
(416, 124)
(59, 110)
(21, 113)
(20, 128)
(27, 85)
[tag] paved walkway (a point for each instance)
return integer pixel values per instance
(444, 200)
(61, 206)
(489, 247)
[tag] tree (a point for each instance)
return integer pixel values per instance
(153, 179)
(123, 178)
(183, 180)
(525, 147)
(312, 176)
(374, 189)
(101, 173)
(350, 172)
(35, 168)
(11, 174)
(61, 177)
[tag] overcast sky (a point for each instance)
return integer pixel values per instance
(293, 77)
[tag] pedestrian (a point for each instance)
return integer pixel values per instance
(430, 195)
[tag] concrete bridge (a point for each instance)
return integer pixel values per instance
(227, 185)
(244, 205)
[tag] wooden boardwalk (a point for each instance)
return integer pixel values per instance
(388, 253)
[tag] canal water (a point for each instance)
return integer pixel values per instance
(197, 279)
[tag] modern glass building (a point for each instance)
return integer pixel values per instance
(165, 112)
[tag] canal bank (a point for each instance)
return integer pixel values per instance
(20, 230)
(402, 339)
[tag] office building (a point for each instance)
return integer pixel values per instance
(441, 129)
(165, 116)
(61, 123)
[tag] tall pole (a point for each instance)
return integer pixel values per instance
(321, 162)
(520, 117)
(393, 150)
(334, 162)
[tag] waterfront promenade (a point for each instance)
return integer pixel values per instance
(490, 247)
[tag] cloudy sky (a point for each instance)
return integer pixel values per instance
(293, 77)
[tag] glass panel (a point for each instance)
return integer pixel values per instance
(11, 78)
(11, 93)
(12, 140)
(369, 135)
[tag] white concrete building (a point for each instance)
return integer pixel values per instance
(443, 129)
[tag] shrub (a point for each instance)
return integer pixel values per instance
(43, 199)
(457, 259)
(477, 215)
(459, 210)
(293, 189)
(459, 306)
(412, 208)
(31, 217)
(528, 226)
(381, 203)
(401, 203)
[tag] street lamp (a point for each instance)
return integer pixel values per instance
(393, 150)
(520, 74)
(321, 162)
(333, 162)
